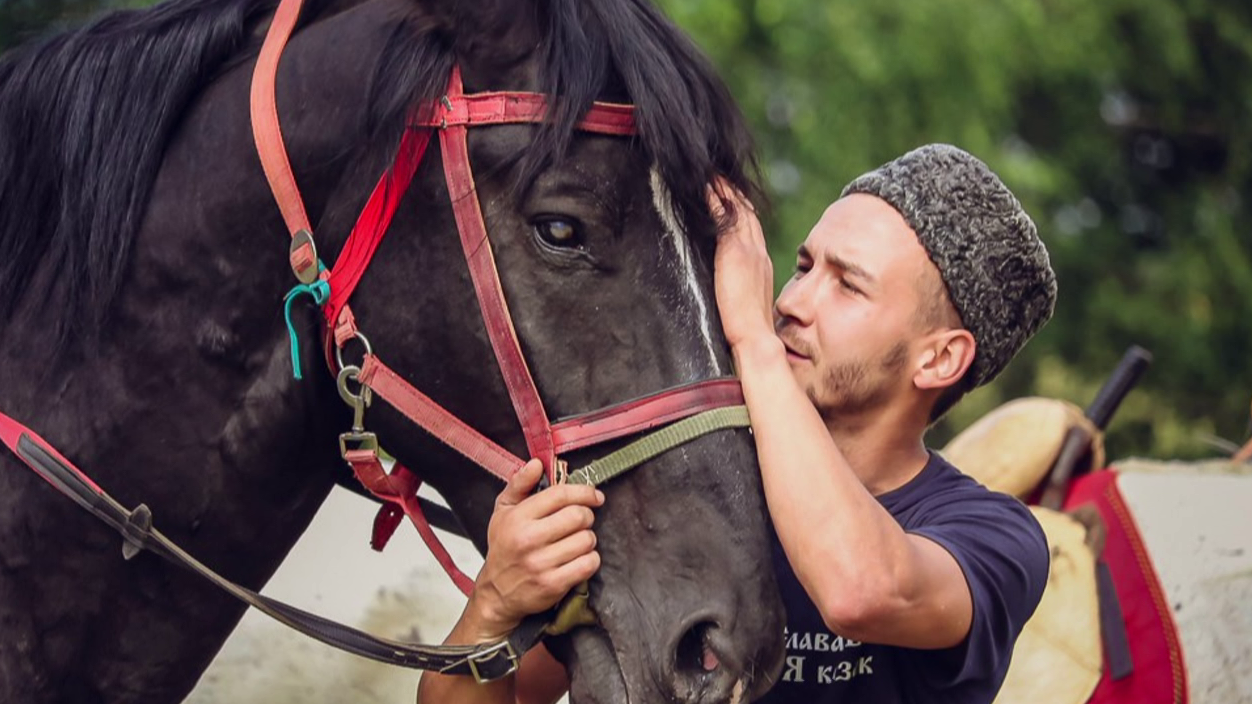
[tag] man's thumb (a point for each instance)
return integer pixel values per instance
(522, 483)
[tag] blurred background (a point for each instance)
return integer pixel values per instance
(1122, 125)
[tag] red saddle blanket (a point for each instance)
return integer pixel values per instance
(1159, 675)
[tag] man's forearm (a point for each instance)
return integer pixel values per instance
(845, 548)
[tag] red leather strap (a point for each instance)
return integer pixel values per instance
(420, 409)
(495, 310)
(413, 510)
(645, 413)
(501, 108)
(374, 221)
(399, 490)
(266, 129)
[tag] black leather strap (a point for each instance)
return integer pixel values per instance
(483, 662)
(1117, 654)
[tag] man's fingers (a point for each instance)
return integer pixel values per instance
(521, 485)
(576, 571)
(564, 522)
(565, 550)
(718, 193)
(555, 498)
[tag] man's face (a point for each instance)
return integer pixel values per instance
(853, 309)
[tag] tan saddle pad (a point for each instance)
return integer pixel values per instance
(1012, 448)
(1058, 658)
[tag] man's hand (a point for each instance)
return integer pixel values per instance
(538, 548)
(743, 273)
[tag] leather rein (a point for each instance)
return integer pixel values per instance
(666, 419)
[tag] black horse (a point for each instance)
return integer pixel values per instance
(142, 269)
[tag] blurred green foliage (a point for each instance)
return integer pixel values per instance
(1121, 125)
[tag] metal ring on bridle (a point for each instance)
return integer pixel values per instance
(339, 349)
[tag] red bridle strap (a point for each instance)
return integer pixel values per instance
(645, 413)
(419, 408)
(453, 140)
(266, 129)
(373, 222)
(503, 108)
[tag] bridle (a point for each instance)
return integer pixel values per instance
(666, 419)
(701, 407)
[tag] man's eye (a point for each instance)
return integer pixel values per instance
(559, 233)
(849, 286)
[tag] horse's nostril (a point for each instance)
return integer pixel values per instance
(710, 660)
(694, 652)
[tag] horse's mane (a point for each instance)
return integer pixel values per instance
(688, 122)
(85, 117)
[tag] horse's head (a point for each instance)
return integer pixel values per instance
(604, 249)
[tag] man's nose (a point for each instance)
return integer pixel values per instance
(796, 300)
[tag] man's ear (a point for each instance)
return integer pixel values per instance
(947, 356)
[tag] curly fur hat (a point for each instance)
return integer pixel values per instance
(985, 246)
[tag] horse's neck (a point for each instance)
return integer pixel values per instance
(187, 400)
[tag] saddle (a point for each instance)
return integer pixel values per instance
(1057, 658)
(1102, 632)
(1012, 448)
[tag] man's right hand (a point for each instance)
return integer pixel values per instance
(539, 546)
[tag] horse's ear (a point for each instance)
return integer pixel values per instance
(489, 36)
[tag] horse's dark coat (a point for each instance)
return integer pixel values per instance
(138, 238)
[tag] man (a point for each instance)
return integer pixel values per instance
(904, 580)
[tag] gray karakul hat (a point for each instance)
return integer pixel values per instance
(985, 246)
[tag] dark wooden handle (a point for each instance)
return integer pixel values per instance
(1123, 379)
(1078, 439)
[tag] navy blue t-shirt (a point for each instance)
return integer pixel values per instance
(1004, 555)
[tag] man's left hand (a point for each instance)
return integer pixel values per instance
(743, 272)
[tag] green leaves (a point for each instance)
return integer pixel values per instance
(1120, 125)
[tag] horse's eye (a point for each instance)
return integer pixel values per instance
(559, 233)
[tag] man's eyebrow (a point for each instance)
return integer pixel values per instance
(850, 267)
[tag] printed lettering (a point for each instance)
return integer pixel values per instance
(821, 642)
(794, 671)
(837, 645)
(792, 640)
(806, 643)
(845, 672)
(863, 665)
(825, 674)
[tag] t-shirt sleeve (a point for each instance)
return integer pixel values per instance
(1003, 553)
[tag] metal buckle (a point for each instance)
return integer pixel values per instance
(357, 441)
(358, 438)
(485, 656)
(310, 272)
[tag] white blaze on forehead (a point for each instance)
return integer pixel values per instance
(684, 260)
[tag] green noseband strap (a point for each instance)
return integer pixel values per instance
(658, 442)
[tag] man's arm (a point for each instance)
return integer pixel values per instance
(538, 548)
(870, 580)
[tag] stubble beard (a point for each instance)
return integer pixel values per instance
(851, 388)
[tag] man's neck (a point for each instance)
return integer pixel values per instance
(883, 447)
